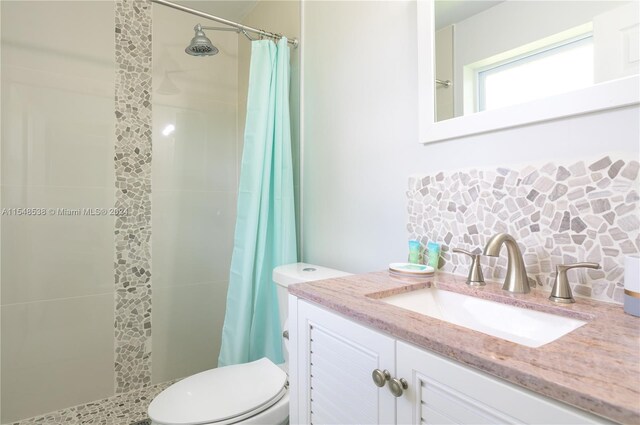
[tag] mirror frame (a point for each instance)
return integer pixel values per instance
(607, 95)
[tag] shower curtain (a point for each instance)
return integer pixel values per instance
(265, 235)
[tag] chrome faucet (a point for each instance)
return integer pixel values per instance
(516, 279)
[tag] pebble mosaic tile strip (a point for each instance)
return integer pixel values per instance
(122, 409)
(133, 194)
(584, 211)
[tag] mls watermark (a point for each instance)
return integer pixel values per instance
(65, 212)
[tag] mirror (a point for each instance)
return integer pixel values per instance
(486, 65)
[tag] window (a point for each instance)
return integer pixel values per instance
(548, 71)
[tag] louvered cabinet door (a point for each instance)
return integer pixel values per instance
(335, 361)
(441, 391)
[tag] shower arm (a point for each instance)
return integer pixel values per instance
(240, 28)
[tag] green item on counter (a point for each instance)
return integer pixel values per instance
(433, 249)
(415, 253)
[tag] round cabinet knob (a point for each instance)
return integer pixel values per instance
(397, 386)
(380, 377)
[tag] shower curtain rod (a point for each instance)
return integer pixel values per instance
(240, 27)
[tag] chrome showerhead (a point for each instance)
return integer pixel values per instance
(200, 44)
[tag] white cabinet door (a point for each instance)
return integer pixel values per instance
(334, 361)
(444, 392)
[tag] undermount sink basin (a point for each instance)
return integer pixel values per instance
(522, 326)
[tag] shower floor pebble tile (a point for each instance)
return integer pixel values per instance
(122, 409)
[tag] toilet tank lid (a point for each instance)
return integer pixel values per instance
(302, 272)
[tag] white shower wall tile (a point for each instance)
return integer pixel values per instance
(44, 367)
(57, 97)
(63, 124)
(57, 152)
(187, 334)
(56, 256)
(200, 154)
(193, 237)
(559, 214)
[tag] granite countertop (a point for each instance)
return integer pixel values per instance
(595, 367)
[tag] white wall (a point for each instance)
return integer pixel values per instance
(360, 133)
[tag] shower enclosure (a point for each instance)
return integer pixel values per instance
(119, 167)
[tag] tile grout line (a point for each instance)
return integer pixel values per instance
(98, 294)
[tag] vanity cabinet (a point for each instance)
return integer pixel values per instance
(332, 360)
(335, 358)
(441, 391)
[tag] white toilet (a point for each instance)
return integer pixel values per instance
(250, 393)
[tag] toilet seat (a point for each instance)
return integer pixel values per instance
(221, 396)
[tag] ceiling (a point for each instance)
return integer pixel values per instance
(448, 12)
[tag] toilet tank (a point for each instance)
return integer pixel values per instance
(289, 274)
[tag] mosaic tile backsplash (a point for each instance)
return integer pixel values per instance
(558, 213)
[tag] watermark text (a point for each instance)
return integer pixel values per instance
(65, 212)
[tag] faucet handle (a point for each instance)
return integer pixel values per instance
(475, 277)
(463, 251)
(561, 292)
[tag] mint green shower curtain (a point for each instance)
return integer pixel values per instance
(265, 235)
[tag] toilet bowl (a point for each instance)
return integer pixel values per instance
(250, 393)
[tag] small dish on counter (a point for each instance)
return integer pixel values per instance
(411, 269)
